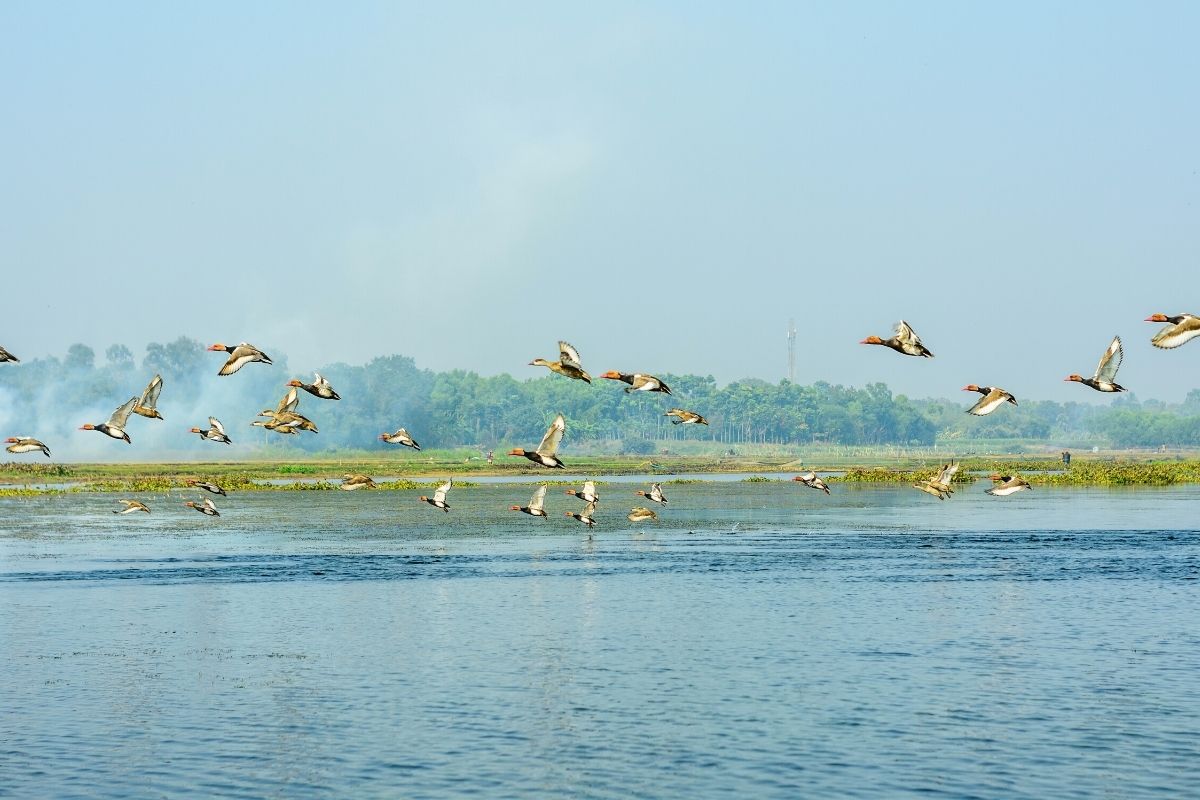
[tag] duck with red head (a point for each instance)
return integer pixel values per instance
(905, 341)
(536, 507)
(239, 356)
(1104, 379)
(546, 453)
(115, 427)
(439, 496)
(318, 388)
(25, 444)
(993, 398)
(638, 382)
(811, 480)
(1183, 328)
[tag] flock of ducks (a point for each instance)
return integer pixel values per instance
(286, 420)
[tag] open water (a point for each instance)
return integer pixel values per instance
(759, 640)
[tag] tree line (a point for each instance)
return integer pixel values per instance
(459, 408)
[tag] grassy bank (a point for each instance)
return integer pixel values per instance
(424, 470)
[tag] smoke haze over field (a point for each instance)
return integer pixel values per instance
(662, 185)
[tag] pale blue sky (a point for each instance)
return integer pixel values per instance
(664, 185)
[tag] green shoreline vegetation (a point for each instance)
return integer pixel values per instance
(27, 479)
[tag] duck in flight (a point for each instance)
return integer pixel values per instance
(318, 388)
(1104, 380)
(1183, 328)
(115, 427)
(655, 495)
(147, 406)
(993, 398)
(400, 437)
(685, 417)
(132, 506)
(939, 485)
(208, 487)
(568, 363)
(1006, 485)
(25, 444)
(811, 480)
(587, 494)
(641, 514)
(215, 432)
(587, 515)
(439, 496)
(536, 507)
(638, 382)
(239, 356)
(205, 506)
(904, 341)
(546, 452)
(354, 480)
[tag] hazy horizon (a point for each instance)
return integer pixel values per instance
(662, 186)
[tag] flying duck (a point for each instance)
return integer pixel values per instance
(1006, 485)
(289, 422)
(641, 514)
(115, 427)
(638, 382)
(545, 452)
(904, 341)
(208, 487)
(1183, 328)
(534, 509)
(1106, 371)
(685, 417)
(25, 444)
(214, 433)
(318, 388)
(939, 485)
(132, 506)
(354, 480)
(587, 494)
(400, 437)
(655, 495)
(993, 398)
(240, 356)
(147, 405)
(568, 363)
(811, 480)
(205, 506)
(587, 516)
(439, 496)
(7, 356)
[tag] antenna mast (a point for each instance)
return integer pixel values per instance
(791, 337)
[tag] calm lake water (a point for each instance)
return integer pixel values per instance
(760, 640)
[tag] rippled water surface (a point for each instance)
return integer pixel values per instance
(760, 640)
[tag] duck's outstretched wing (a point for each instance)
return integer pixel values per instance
(1110, 362)
(150, 395)
(121, 415)
(553, 437)
(439, 496)
(538, 500)
(567, 354)
(289, 402)
(905, 333)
